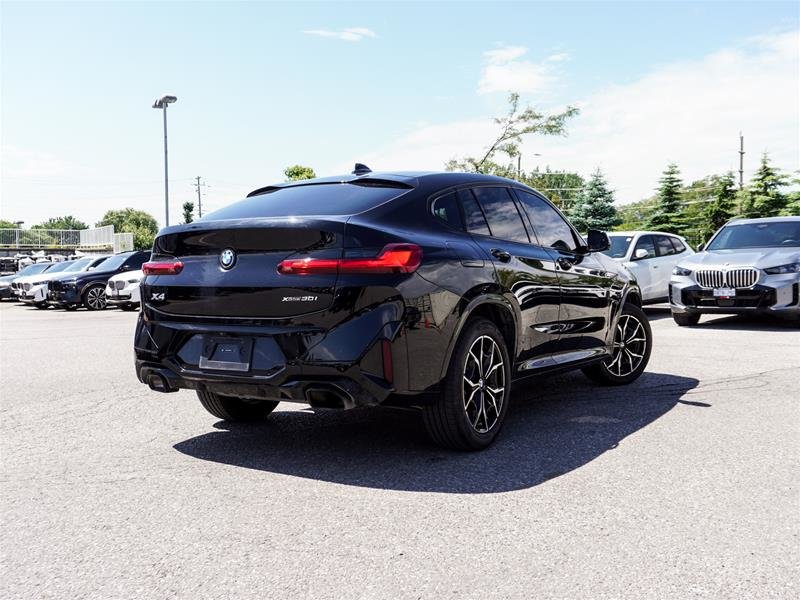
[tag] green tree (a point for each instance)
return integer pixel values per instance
(720, 210)
(763, 196)
(665, 217)
(515, 124)
(7, 224)
(562, 187)
(792, 208)
(594, 208)
(298, 173)
(188, 212)
(66, 222)
(129, 220)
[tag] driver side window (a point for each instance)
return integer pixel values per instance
(645, 243)
(551, 229)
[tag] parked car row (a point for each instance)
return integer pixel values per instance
(92, 282)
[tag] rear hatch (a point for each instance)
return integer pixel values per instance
(231, 269)
(274, 224)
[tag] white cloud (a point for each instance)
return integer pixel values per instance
(690, 112)
(349, 34)
(504, 71)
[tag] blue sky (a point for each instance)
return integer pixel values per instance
(397, 85)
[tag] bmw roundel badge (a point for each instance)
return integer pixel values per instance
(227, 258)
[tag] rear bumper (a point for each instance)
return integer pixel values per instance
(778, 294)
(344, 367)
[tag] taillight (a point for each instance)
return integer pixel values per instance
(172, 267)
(394, 258)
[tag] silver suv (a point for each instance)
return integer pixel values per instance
(749, 265)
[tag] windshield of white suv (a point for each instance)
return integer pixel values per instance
(80, 264)
(780, 234)
(58, 267)
(619, 246)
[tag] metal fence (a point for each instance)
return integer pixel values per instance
(39, 238)
(123, 242)
(42, 239)
(99, 237)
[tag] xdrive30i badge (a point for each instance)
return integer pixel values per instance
(227, 258)
(300, 298)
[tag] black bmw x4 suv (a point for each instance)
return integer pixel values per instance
(431, 290)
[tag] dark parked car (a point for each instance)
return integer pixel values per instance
(88, 288)
(433, 290)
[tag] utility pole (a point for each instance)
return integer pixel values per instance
(199, 200)
(741, 161)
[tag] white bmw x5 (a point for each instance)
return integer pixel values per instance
(748, 266)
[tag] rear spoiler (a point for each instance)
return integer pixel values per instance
(404, 183)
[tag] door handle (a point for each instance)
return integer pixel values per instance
(564, 263)
(501, 255)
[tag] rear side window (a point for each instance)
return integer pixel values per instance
(645, 243)
(501, 213)
(664, 246)
(473, 215)
(550, 227)
(304, 200)
(446, 209)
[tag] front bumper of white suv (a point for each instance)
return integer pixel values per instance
(774, 294)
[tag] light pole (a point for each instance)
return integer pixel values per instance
(162, 103)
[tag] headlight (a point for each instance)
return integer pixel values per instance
(782, 269)
(681, 271)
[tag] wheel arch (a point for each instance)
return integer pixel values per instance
(496, 309)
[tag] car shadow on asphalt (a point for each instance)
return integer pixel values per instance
(748, 323)
(554, 426)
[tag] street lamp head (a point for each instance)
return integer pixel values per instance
(163, 101)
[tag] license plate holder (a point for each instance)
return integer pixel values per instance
(227, 354)
(724, 293)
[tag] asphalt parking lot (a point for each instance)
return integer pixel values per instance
(682, 485)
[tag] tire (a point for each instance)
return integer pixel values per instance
(465, 416)
(41, 305)
(94, 298)
(128, 307)
(686, 319)
(71, 307)
(633, 342)
(230, 408)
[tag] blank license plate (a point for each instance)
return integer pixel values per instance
(724, 293)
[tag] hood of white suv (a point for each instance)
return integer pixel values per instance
(128, 276)
(760, 258)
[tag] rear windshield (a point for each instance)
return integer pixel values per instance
(306, 200)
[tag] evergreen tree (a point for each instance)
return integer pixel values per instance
(669, 201)
(188, 212)
(720, 210)
(792, 209)
(594, 208)
(763, 197)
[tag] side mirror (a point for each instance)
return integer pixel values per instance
(640, 254)
(598, 241)
(700, 247)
